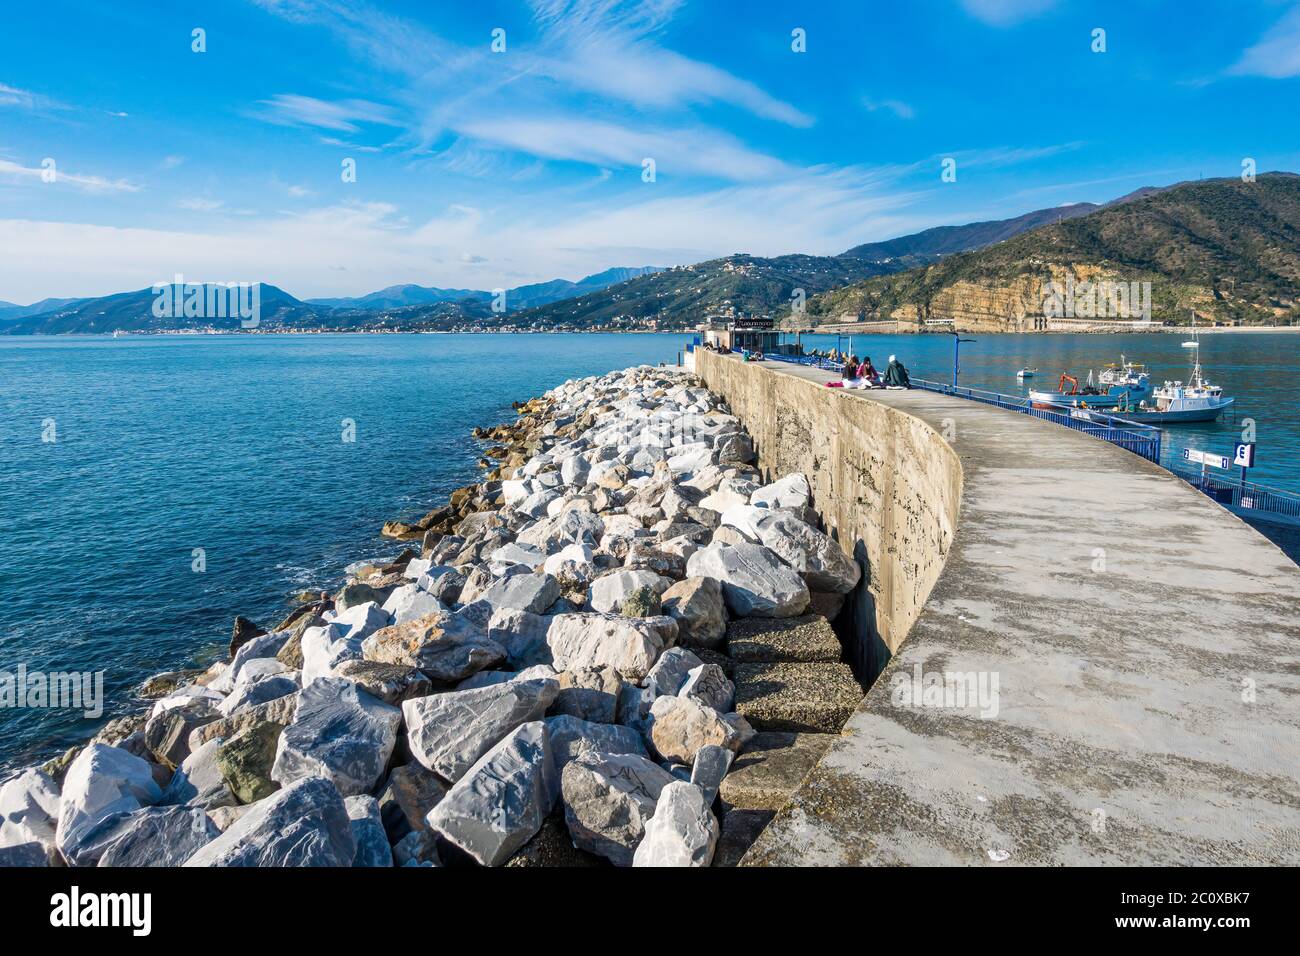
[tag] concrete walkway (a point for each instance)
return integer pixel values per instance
(1145, 645)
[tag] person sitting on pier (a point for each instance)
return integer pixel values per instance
(849, 372)
(896, 374)
(868, 377)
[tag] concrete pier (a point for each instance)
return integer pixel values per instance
(1127, 652)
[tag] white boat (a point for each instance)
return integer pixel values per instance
(1173, 403)
(1026, 373)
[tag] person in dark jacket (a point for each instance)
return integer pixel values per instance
(896, 374)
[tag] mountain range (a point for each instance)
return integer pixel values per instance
(1225, 248)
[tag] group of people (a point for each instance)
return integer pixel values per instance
(863, 374)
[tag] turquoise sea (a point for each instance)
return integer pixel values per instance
(235, 445)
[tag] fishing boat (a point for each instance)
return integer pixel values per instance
(1026, 373)
(1127, 377)
(1087, 395)
(1174, 403)
(1116, 382)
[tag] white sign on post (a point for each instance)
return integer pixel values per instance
(1205, 458)
(1244, 455)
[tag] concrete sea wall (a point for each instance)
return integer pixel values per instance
(883, 481)
(1091, 662)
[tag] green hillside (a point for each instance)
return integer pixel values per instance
(1226, 248)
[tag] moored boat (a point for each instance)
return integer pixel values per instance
(1173, 403)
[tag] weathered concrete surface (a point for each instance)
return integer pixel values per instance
(887, 489)
(1144, 642)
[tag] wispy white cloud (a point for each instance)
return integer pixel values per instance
(897, 107)
(345, 116)
(39, 176)
(1277, 54)
(1005, 13)
(1012, 155)
(699, 151)
(12, 96)
(199, 204)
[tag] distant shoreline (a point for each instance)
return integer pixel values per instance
(1164, 330)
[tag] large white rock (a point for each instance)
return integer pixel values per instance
(697, 606)
(448, 732)
(680, 726)
(792, 491)
(744, 518)
(729, 493)
(101, 782)
(416, 568)
(682, 832)
(258, 649)
(709, 685)
(573, 566)
(607, 800)
(609, 591)
(525, 592)
(514, 490)
(816, 556)
(153, 836)
(29, 810)
(755, 582)
(361, 620)
(512, 554)
(257, 685)
(409, 602)
(568, 527)
(324, 648)
(501, 802)
(198, 781)
(368, 831)
(671, 670)
(305, 824)
(339, 732)
(446, 645)
(522, 635)
(571, 736)
(186, 697)
(629, 645)
(688, 459)
(574, 471)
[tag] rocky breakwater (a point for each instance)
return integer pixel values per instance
(616, 638)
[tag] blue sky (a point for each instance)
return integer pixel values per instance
(489, 169)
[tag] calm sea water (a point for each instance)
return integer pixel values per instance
(1260, 369)
(233, 444)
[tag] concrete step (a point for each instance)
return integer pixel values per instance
(740, 828)
(775, 640)
(816, 697)
(770, 767)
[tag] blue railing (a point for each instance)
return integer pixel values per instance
(1246, 496)
(1253, 500)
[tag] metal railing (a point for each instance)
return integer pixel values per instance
(1254, 499)
(1143, 440)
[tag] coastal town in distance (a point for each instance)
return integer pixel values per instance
(798, 443)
